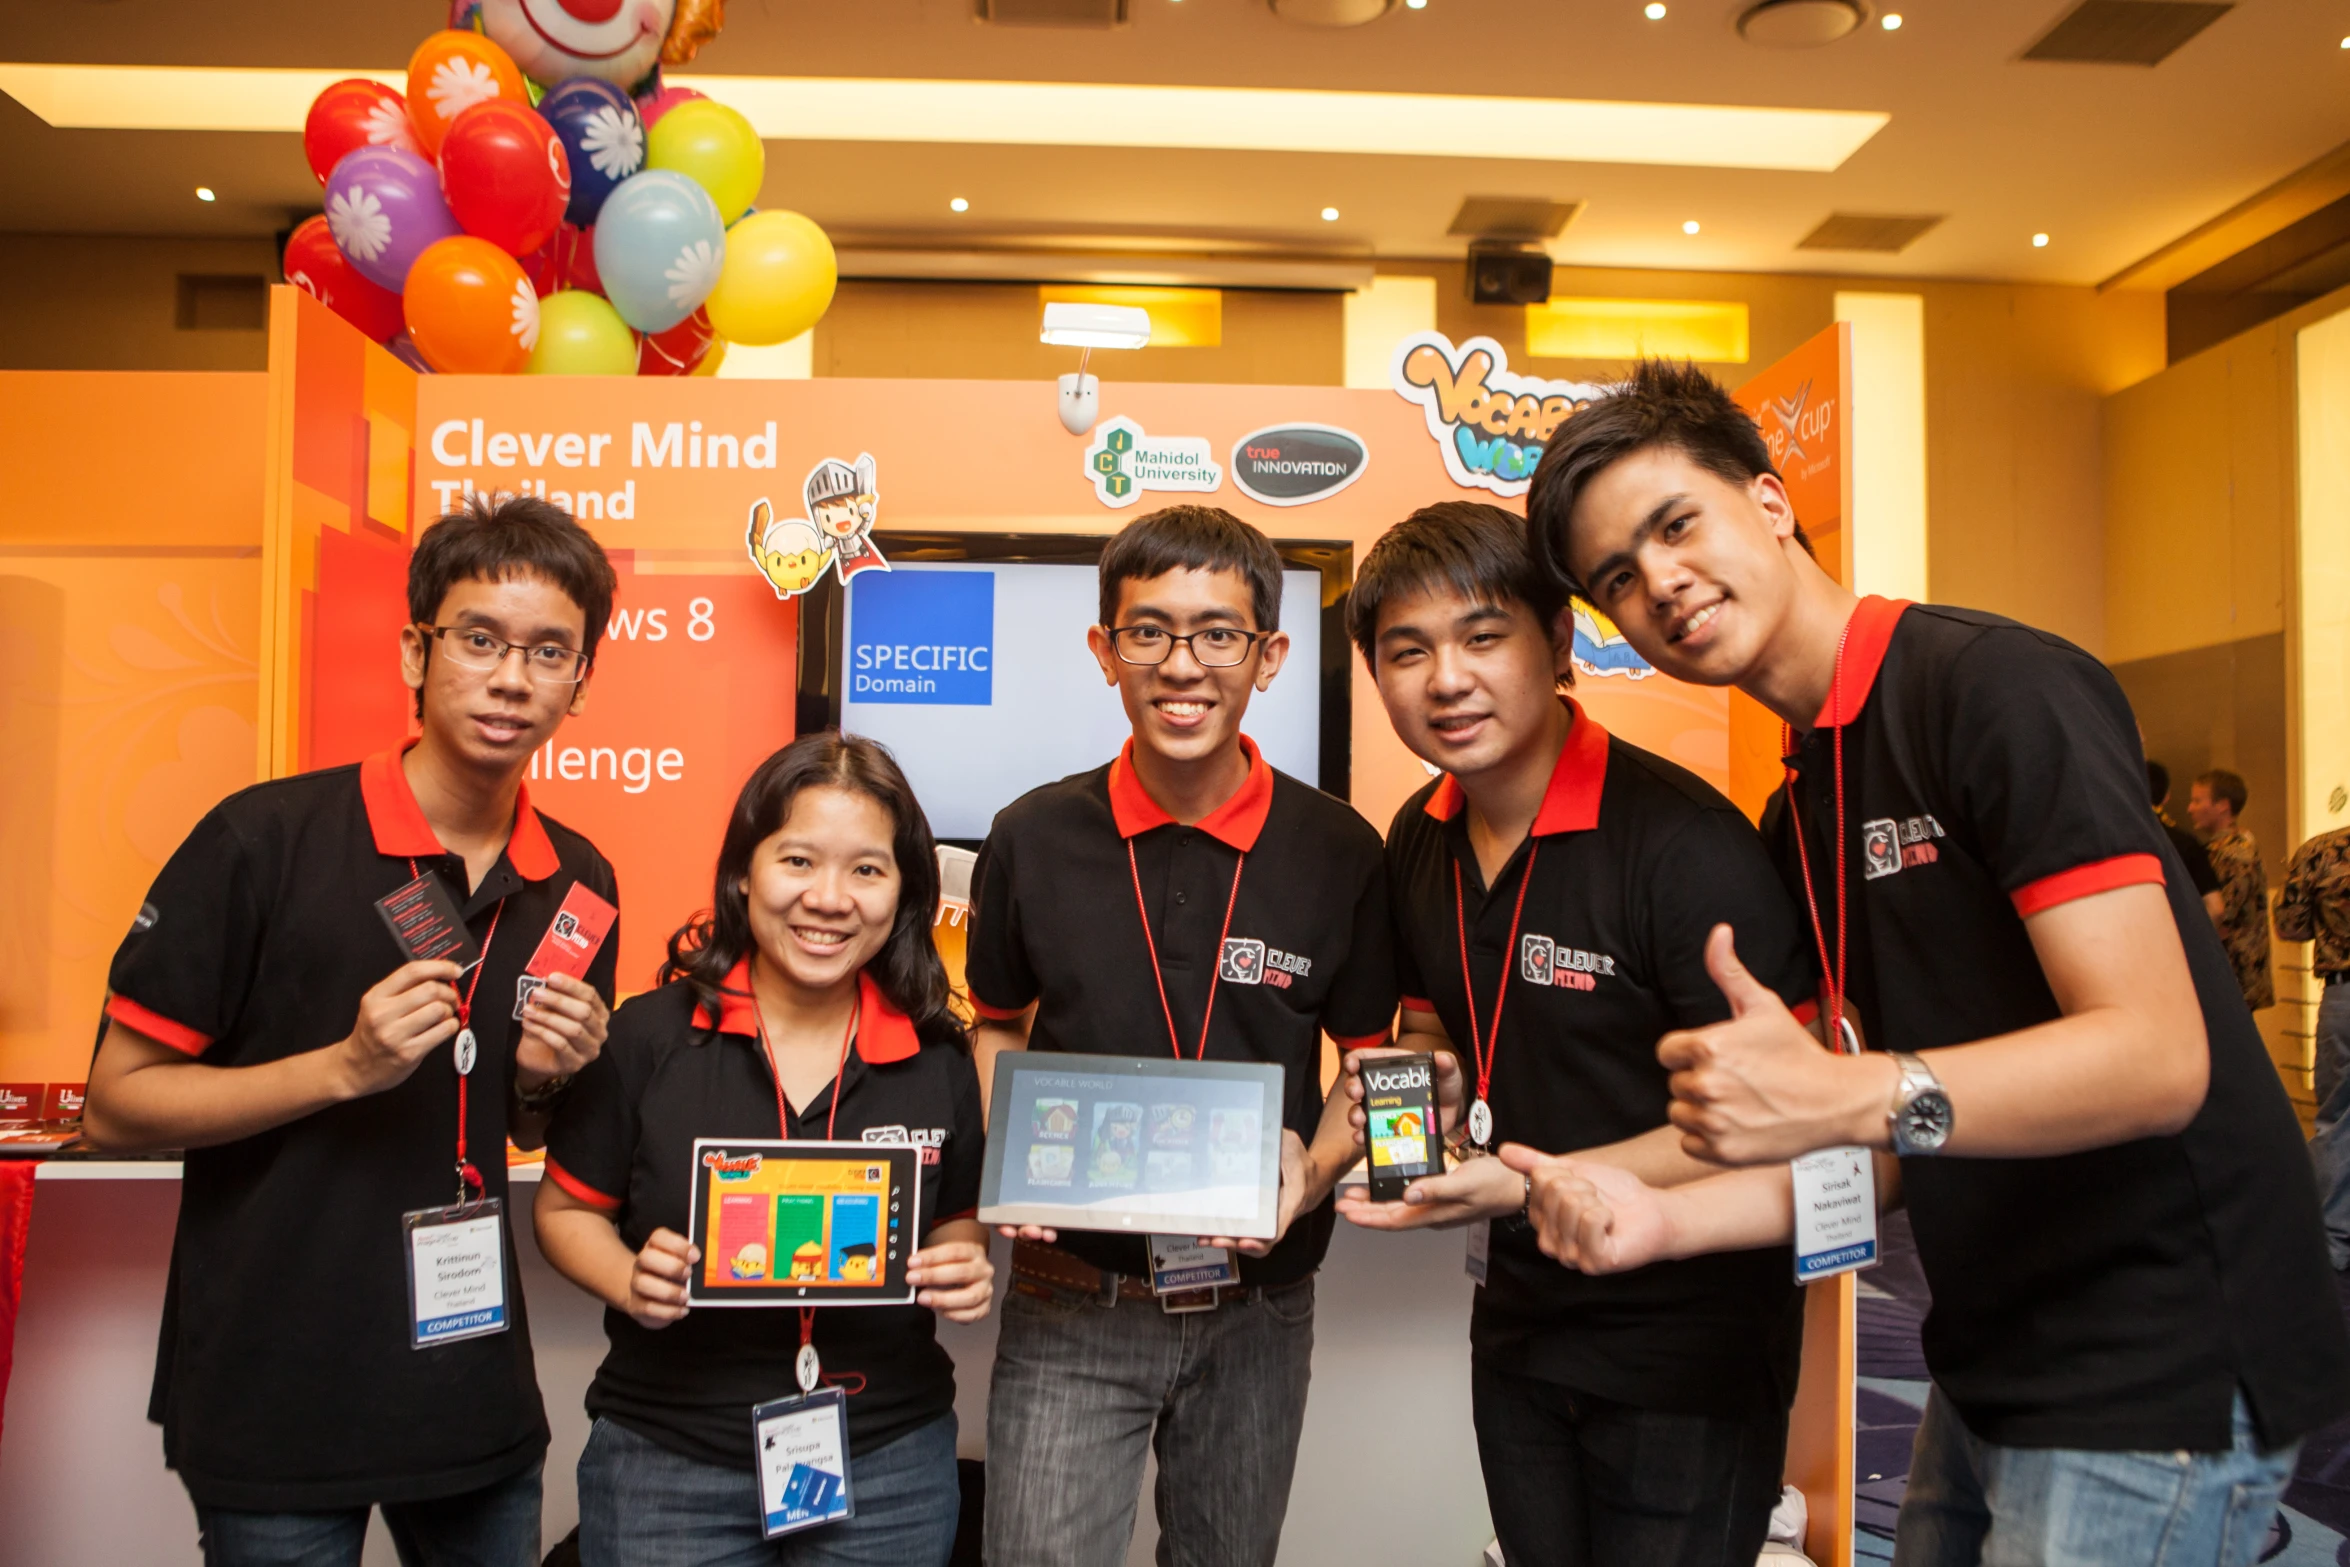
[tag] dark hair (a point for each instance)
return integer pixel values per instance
(1661, 404)
(907, 969)
(494, 538)
(1478, 551)
(1193, 538)
(2221, 784)
(2157, 781)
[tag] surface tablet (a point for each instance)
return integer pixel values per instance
(1123, 1143)
(803, 1224)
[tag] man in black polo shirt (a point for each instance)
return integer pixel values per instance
(1552, 892)
(2133, 1326)
(262, 1018)
(1184, 898)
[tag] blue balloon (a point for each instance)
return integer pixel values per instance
(659, 246)
(598, 126)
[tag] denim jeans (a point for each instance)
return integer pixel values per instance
(496, 1526)
(1971, 1501)
(1574, 1480)
(641, 1505)
(1083, 1392)
(2330, 1148)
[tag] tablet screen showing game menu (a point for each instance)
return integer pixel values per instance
(803, 1224)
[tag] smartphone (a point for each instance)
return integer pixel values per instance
(1399, 1105)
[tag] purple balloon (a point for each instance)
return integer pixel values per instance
(383, 206)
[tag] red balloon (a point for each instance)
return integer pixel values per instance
(351, 114)
(315, 265)
(678, 350)
(566, 261)
(506, 175)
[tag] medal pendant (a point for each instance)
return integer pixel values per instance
(1481, 1122)
(465, 1052)
(809, 1368)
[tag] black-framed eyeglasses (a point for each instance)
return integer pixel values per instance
(1217, 647)
(547, 663)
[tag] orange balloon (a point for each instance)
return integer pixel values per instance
(451, 72)
(469, 308)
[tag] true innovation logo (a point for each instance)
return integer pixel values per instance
(922, 637)
(1123, 461)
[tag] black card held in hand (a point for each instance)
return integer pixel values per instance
(425, 922)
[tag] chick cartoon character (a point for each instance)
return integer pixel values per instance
(623, 43)
(842, 500)
(750, 1262)
(790, 554)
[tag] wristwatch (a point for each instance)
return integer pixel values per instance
(1921, 1116)
(542, 1097)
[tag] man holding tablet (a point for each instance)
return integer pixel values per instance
(1185, 900)
(1552, 894)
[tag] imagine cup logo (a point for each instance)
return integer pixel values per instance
(1123, 461)
(1492, 425)
(923, 637)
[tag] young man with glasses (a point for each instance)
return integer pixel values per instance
(345, 1112)
(1185, 899)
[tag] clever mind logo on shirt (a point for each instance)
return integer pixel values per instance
(922, 637)
(1542, 961)
(1888, 846)
(1247, 962)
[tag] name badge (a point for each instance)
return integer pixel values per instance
(456, 1272)
(1180, 1264)
(1835, 1213)
(1480, 1250)
(802, 1444)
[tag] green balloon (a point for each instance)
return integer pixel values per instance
(714, 147)
(581, 334)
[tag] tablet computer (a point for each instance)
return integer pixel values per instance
(1125, 1143)
(803, 1224)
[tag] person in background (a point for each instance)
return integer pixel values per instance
(328, 1092)
(810, 1004)
(2191, 852)
(2214, 803)
(2315, 907)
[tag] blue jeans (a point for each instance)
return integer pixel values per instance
(1082, 1394)
(2330, 1147)
(496, 1526)
(1971, 1501)
(641, 1505)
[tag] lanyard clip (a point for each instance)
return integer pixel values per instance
(470, 1187)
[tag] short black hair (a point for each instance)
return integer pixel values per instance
(492, 538)
(2157, 781)
(1193, 538)
(2221, 784)
(1477, 550)
(1662, 403)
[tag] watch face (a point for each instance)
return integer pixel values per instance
(1925, 1121)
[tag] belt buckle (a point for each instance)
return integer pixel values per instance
(1107, 1295)
(1176, 1303)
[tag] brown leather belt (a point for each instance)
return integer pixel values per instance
(1047, 1265)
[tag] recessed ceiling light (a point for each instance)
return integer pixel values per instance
(1330, 214)
(1654, 10)
(1415, 5)
(958, 205)
(1689, 227)
(1891, 22)
(203, 193)
(2346, 43)
(2039, 242)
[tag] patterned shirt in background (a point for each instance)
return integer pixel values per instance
(2243, 915)
(2315, 905)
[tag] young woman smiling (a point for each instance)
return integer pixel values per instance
(810, 1003)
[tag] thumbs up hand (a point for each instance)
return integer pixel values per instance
(1759, 1088)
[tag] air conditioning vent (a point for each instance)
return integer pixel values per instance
(1883, 233)
(2126, 32)
(1512, 217)
(1083, 14)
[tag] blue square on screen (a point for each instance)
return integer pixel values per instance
(922, 637)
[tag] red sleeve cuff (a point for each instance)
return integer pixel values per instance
(579, 1188)
(2123, 870)
(1418, 1004)
(993, 1014)
(1346, 1042)
(156, 1026)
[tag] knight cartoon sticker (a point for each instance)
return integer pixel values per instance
(792, 552)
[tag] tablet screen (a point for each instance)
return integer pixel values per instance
(808, 1224)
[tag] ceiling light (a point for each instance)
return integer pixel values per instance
(1048, 114)
(1330, 214)
(2346, 43)
(1798, 24)
(1689, 227)
(1415, 5)
(2039, 242)
(1095, 326)
(1891, 22)
(1654, 10)
(958, 205)
(203, 193)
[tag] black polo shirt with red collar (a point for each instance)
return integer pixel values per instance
(2111, 1299)
(284, 1380)
(1057, 920)
(623, 1141)
(1631, 861)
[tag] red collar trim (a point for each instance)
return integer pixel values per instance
(884, 1034)
(401, 831)
(1577, 779)
(1864, 653)
(1236, 822)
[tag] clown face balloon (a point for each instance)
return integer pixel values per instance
(618, 41)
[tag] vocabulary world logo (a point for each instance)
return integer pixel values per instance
(923, 637)
(1491, 425)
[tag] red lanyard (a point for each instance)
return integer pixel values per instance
(1486, 1049)
(1836, 974)
(468, 1178)
(783, 1121)
(1215, 974)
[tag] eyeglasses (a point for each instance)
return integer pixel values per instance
(546, 663)
(1218, 647)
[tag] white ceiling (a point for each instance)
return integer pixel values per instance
(2111, 161)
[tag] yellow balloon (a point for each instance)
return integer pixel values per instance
(714, 147)
(581, 334)
(711, 360)
(777, 279)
